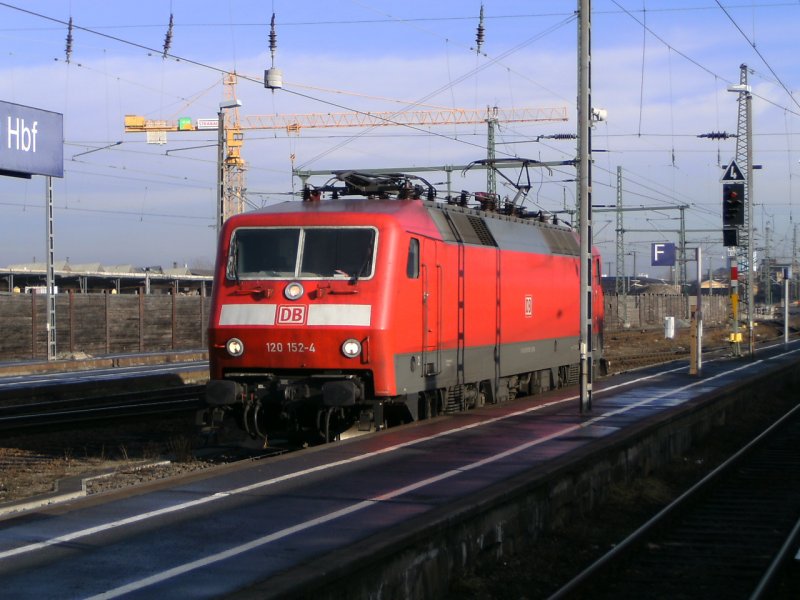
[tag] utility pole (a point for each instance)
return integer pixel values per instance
(50, 276)
(696, 363)
(491, 122)
(620, 236)
(765, 261)
(585, 196)
(750, 199)
(620, 287)
(220, 217)
(230, 193)
(682, 275)
(793, 272)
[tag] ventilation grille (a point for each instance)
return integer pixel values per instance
(471, 229)
(561, 242)
(483, 233)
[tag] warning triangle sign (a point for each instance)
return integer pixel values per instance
(732, 173)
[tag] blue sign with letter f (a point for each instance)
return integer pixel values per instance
(662, 254)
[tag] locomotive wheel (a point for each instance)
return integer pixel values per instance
(430, 404)
(331, 423)
(328, 415)
(424, 406)
(248, 419)
(485, 390)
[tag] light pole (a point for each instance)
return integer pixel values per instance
(221, 159)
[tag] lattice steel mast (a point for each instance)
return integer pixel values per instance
(744, 159)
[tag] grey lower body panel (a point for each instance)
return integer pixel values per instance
(424, 372)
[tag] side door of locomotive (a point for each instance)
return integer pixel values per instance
(432, 275)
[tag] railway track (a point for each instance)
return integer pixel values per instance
(620, 363)
(62, 411)
(732, 535)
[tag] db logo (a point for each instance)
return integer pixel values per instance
(291, 314)
(528, 306)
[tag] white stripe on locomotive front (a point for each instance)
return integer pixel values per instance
(355, 315)
(346, 315)
(247, 314)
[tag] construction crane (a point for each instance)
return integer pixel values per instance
(232, 131)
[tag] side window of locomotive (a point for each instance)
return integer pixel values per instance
(267, 252)
(338, 253)
(412, 263)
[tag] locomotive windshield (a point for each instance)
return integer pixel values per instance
(301, 252)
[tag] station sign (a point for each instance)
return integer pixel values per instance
(31, 141)
(662, 254)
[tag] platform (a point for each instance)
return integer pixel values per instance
(390, 511)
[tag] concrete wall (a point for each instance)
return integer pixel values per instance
(99, 324)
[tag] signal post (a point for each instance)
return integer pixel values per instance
(733, 213)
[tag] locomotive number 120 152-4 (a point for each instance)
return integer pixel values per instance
(293, 347)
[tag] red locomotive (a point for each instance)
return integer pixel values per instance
(388, 308)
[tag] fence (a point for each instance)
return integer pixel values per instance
(99, 324)
(646, 311)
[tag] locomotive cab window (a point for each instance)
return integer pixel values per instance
(412, 263)
(302, 252)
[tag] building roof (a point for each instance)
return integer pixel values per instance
(99, 277)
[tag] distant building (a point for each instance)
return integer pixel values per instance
(640, 285)
(93, 278)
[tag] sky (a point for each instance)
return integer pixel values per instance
(660, 70)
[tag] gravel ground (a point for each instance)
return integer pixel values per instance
(123, 454)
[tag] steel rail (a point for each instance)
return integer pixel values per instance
(92, 408)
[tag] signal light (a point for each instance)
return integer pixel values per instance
(732, 204)
(730, 237)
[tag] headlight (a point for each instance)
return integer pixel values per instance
(351, 348)
(294, 290)
(235, 347)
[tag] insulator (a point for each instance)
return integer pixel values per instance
(168, 37)
(480, 35)
(273, 79)
(717, 135)
(273, 37)
(69, 40)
